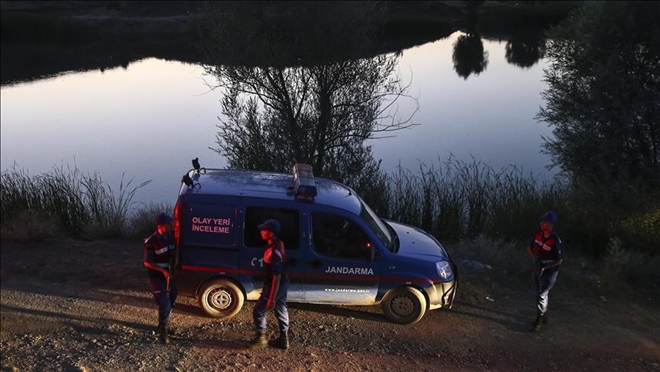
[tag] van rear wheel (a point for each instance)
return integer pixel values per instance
(404, 305)
(221, 298)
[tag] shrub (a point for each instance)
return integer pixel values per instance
(621, 265)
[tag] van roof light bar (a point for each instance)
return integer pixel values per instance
(303, 181)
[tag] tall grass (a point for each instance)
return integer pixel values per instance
(461, 200)
(142, 220)
(490, 215)
(81, 205)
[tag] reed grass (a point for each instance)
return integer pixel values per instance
(142, 220)
(462, 200)
(82, 205)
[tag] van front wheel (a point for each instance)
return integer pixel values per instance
(221, 298)
(404, 305)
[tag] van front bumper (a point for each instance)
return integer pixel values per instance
(442, 294)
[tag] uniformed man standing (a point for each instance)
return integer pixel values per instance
(159, 258)
(547, 251)
(274, 292)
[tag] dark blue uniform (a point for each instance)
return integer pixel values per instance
(159, 249)
(273, 258)
(546, 250)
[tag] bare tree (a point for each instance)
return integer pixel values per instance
(321, 110)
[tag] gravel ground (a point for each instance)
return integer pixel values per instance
(86, 306)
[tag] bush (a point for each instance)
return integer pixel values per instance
(621, 265)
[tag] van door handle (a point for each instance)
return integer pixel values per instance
(293, 262)
(316, 264)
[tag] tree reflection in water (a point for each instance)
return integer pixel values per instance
(469, 55)
(306, 94)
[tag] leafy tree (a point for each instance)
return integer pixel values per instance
(603, 96)
(603, 100)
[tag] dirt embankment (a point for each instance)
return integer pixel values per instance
(85, 306)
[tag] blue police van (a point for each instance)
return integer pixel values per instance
(338, 250)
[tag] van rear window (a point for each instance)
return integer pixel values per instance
(289, 219)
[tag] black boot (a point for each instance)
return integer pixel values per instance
(544, 318)
(283, 341)
(536, 324)
(164, 336)
(259, 341)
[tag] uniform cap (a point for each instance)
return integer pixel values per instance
(163, 218)
(549, 216)
(270, 225)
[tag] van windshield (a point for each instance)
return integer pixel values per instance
(377, 226)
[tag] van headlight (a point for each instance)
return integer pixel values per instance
(444, 269)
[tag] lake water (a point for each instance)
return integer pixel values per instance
(148, 120)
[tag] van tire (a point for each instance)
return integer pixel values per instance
(221, 298)
(404, 305)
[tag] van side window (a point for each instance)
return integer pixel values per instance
(336, 236)
(289, 219)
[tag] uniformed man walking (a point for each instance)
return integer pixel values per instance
(547, 251)
(159, 258)
(274, 292)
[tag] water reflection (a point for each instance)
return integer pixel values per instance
(526, 50)
(469, 55)
(25, 63)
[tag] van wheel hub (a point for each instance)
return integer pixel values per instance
(402, 305)
(221, 299)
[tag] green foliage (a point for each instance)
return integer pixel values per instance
(622, 265)
(642, 229)
(602, 100)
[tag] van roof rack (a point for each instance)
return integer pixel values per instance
(304, 186)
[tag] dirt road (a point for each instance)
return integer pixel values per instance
(85, 306)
